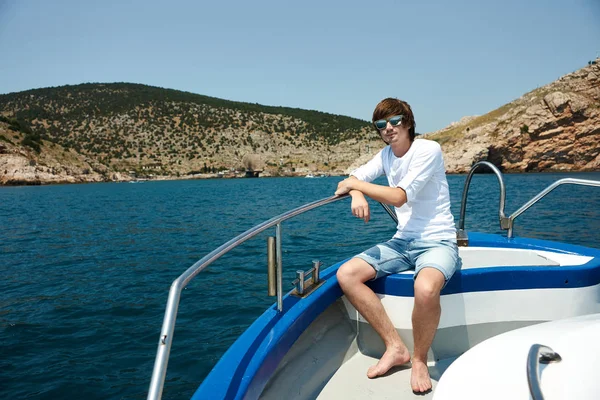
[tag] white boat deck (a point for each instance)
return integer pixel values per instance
(351, 382)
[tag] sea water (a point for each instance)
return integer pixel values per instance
(85, 270)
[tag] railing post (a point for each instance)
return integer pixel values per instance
(316, 271)
(164, 343)
(271, 266)
(279, 268)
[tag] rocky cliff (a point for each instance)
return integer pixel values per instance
(553, 128)
(22, 165)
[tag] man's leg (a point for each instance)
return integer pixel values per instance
(352, 277)
(425, 319)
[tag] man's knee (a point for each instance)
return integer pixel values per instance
(428, 285)
(355, 271)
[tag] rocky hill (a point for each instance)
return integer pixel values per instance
(120, 131)
(116, 131)
(24, 161)
(553, 128)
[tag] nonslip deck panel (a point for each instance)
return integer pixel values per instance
(351, 382)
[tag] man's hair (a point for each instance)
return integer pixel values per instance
(390, 107)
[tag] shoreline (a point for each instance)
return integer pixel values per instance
(38, 182)
(129, 179)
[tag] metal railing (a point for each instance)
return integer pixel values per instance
(391, 212)
(461, 234)
(538, 354)
(507, 223)
(538, 197)
(166, 336)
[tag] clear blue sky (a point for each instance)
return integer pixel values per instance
(447, 58)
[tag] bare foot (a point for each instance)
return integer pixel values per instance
(391, 358)
(419, 377)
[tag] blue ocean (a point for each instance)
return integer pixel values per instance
(85, 270)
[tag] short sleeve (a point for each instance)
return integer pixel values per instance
(371, 170)
(423, 166)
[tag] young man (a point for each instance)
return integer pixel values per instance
(425, 240)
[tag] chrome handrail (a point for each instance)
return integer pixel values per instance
(461, 235)
(538, 354)
(507, 223)
(166, 336)
(390, 212)
(538, 197)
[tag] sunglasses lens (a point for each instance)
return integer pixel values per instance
(394, 121)
(380, 124)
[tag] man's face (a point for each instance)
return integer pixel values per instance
(394, 133)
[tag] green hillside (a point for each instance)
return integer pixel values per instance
(128, 126)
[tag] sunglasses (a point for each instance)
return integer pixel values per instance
(382, 123)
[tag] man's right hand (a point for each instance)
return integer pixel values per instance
(360, 206)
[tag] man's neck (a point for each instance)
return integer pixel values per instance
(401, 147)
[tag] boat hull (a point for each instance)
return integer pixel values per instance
(297, 353)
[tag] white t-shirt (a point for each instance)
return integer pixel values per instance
(422, 175)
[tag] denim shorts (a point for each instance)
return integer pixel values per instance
(398, 255)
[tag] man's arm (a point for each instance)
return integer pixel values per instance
(367, 172)
(384, 194)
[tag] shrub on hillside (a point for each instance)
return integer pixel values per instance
(33, 141)
(5, 139)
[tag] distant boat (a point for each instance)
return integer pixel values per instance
(309, 176)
